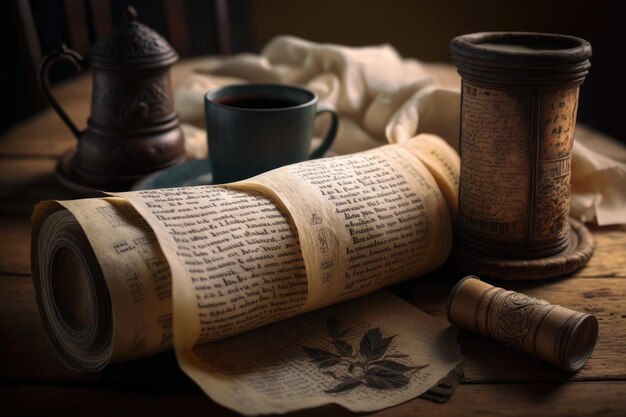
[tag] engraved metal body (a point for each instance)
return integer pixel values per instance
(556, 334)
(133, 129)
(518, 113)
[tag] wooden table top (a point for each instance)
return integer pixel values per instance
(497, 381)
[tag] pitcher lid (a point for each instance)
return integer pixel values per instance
(132, 44)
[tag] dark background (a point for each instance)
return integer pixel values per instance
(417, 28)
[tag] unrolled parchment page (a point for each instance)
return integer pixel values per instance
(136, 273)
(365, 221)
(365, 354)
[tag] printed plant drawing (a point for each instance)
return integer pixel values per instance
(368, 365)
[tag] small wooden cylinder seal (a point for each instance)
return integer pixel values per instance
(518, 113)
(556, 334)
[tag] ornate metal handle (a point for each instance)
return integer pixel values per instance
(63, 54)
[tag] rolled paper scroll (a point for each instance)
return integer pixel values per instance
(556, 334)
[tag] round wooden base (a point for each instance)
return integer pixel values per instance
(575, 256)
(68, 179)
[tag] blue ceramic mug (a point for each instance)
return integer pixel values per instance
(253, 128)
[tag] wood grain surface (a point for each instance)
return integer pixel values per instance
(497, 381)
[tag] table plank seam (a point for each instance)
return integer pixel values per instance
(4, 273)
(23, 156)
(488, 381)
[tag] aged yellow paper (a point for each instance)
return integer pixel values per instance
(366, 354)
(257, 252)
(354, 224)
(137, 276)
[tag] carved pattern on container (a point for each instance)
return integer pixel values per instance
(133, 40)
(557, 123)
(511, 320)
(122, 102)
(552, 208)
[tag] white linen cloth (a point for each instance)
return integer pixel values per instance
(381, 97)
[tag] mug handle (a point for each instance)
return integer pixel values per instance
(63, 54)
(330, 136)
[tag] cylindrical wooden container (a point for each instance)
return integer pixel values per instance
(556, 334)
(518, 113)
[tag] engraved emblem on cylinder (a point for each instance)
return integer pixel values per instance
(516, 146)
(514, 318)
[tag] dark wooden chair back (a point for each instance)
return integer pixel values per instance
(193, 27)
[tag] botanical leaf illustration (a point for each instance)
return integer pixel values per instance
(373, 346)
(343, 347)
(369, 365)
(345, 385)
(329, 362)
(322, 358)
(333, 327)
(383, 378)
(393, 365)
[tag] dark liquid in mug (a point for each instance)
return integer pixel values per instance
(257, 102)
